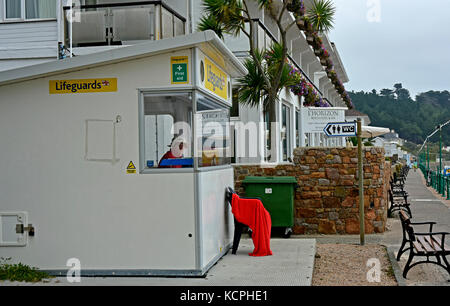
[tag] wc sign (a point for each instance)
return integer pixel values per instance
(340, 129)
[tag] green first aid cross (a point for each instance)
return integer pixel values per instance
(180, 70)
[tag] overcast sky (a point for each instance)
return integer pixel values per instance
(408, 43)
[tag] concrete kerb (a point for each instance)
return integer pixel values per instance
(398, 273)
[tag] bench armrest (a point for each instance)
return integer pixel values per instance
(432, 234)
(425, 223)
(422, 223)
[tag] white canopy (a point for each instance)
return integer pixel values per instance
(373, 131)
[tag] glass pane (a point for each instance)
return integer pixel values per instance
(179, 27)
(213, 140)
(235, 105)
(167, 131)
(167, 23)
(285, 131)
(13, 9)
(297, 128)
(40, 9)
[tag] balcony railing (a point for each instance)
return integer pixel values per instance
(119, 23)
(265, 39)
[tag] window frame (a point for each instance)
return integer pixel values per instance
(224, 107)
(23, 16)
(288, 131)
(194, 91)
(141, 119)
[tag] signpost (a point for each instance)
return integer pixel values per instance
(360, 183)
(351, 129)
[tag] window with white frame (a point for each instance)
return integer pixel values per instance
(166, 130)
(29, 9)
(286, 131)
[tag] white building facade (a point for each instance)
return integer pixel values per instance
(33, 32)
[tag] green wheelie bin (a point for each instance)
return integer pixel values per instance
(277, 195)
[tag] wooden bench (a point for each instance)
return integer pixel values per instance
(423, 244)
(399, 201)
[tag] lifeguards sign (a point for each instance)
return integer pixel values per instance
(216, 80)
(82, 86)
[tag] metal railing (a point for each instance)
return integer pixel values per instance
(119, 23)
(438, 181)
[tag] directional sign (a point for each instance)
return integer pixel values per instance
(340, 129)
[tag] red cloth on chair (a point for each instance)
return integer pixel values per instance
(252, 213)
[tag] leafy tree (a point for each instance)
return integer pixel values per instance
(413, 120)
(389, 93)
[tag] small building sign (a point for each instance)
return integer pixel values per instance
(340, 129)
(314, 119)
(179, 68)
(82, 86)
(216, 80)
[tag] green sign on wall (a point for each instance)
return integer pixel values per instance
(179, 68)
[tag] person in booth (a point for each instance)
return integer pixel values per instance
(176, 151)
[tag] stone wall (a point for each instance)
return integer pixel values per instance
(327, 200)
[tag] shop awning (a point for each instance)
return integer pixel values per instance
(373, 131)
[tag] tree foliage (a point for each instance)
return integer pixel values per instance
(321, 15)
(414, 120)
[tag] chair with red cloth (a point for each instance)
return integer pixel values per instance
(251, 213)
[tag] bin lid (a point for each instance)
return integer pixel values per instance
(270, 180)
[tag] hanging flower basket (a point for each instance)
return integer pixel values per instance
(323, 62)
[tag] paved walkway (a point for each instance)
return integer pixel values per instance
(426, 205)
(291, 264)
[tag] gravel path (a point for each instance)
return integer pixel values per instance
(346, 265)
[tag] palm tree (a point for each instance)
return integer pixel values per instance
(268, 69)
(321, 15)
(268, 72)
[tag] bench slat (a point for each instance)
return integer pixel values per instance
(425, 244)
(418, 247)
(438, 240)
(432, 243)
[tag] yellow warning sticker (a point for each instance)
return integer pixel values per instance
(131, 169)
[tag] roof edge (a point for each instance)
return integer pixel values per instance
(121, 54)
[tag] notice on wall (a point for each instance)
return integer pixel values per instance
(82, 86)
(179, 69)
(314, 119)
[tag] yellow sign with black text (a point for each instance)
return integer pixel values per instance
(82, 86)
(216, 80)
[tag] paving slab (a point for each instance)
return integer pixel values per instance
(426, 205)
(291, 264)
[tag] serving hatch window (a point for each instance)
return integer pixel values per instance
(167, 126)
(213, 133)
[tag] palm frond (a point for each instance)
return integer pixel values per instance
(321, 15)
(211, 23)
(252, 87)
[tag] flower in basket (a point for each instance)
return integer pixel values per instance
(296, 6)
(319, 52)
